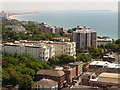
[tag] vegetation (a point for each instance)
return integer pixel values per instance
(32, 33)
(112, 47)
(65, 59)
(84, 57)
(97, 52)
(20, 69)
(61, 60)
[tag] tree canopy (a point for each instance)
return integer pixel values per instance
(20, 69)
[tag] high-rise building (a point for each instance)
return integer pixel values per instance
(3, 15)
(84, 37)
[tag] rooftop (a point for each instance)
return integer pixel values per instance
(100, 63)
(84, 31)
(46, 82)
(108, 78)
(109, 75)
(88, 73)
(55, 73)
(113, 66)
(108, 56)
(75, 63)
(26, 45)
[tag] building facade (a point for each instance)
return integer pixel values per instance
(84, 37)
(48, 28)
(78, 66)
(72, 71)
(68, 48)
(41, 52)
(106, 80)
(104, 41)
(56, 75)
(3, 15)
(16, 28)
(46, 84)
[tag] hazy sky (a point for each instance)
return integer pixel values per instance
(31, 6)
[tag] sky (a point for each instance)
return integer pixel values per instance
(34, 6)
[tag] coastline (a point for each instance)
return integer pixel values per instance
(22, 14)
(101, 27)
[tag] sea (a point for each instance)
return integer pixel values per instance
(104, 22)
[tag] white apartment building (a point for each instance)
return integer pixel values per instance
(48, 28)
(16, 28)
(3, 15)
(104, 41)
(68, 48)
(41, 52)
(84, 37)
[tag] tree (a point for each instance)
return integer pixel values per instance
(26, 82)
(84, 58)
(20, 69)
(69, 31)
(117, 41)
(53, 60)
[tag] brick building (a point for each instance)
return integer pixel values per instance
(78, 66)
(106, 80)
(70, 74)
(55, 75)
(86, 77)
(46, 84)
(72, 71)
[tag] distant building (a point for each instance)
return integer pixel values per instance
(46, 84)
(109, 58)
(47, 28)
(16, 28)
(24, 22)
(3, 15)
(56, 75)
(106, 80)
(84, 37)
(104, 41)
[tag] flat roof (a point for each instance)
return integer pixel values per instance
(46, 82)
(112, 78)
(75, 63)
(100, 63)
(55, 73)
(110, 75)
(88, 73)
(113, 66)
